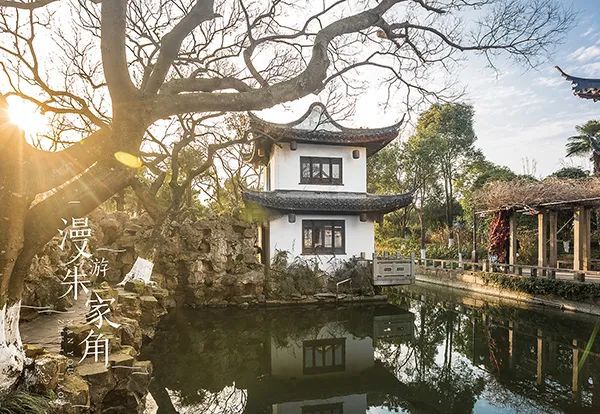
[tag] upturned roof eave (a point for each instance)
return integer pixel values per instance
(586, 88)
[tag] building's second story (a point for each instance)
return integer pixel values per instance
(316, 167)
(315, 153)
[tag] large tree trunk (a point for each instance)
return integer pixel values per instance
(27, 225)
(596, 161)
(14, 202)
(11, 347)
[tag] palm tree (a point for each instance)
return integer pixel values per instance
(587, 141)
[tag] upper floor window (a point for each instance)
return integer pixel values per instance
(320, 170)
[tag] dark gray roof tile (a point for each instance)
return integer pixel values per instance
(327, 201)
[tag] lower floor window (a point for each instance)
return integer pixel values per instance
(324, 355)
(323, 237)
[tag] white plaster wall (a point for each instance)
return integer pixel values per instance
(285, 167)
(352, 404)
(287, 362)
(286, 236)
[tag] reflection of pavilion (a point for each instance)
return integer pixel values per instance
(332, 370)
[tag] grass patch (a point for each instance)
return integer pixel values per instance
(19, 402)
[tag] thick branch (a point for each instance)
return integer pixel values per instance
(25, 6)
(76, 199)
(203, 85)
(114, 59)
(147, 198)
(171, 42)
(310, 80)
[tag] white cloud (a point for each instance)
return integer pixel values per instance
(551, 81)
(585, 54)
(588, 32)
(589, 69)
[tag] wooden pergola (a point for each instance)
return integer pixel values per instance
(547, 220)
(547, 201)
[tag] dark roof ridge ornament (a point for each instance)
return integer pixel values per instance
(316, 126)
(320, 118)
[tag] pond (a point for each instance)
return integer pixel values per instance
(426, 351)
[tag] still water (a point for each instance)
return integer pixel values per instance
(427, 351)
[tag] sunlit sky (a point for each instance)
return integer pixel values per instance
(521, 114)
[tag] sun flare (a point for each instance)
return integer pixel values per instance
(26, 116)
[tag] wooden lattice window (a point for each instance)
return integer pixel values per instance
(323, 237)
(320, 170)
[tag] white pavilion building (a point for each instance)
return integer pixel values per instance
(315, 191)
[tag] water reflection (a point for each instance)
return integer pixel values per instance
(428, 353)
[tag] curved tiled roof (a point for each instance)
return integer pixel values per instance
(327, 201)
(582, 87)
(317, 126)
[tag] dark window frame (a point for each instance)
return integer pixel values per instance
(322, 343)
(320, 180)
(316, 250)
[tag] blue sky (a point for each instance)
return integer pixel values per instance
(529, 114)
(523, 116)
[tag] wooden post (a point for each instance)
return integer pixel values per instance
(512, 250)
(575, 384)
(539, 378)
(542, 246)
(474, 252)
(587, 245)
(511, 344)
(553, 239)
(582, 245)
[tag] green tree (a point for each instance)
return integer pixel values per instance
(478, 172)
(419, 167)
(384, 177)
(383, 171)
(570, 172)
(449, 129)
(587, 142)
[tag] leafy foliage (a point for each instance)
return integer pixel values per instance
(299, 277)
(587, 142)
(570, 172)
(359, 274)
(499, 234)
(540, 286)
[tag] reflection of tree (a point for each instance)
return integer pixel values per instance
(479, 331)
(447, 387)
(229, 400)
